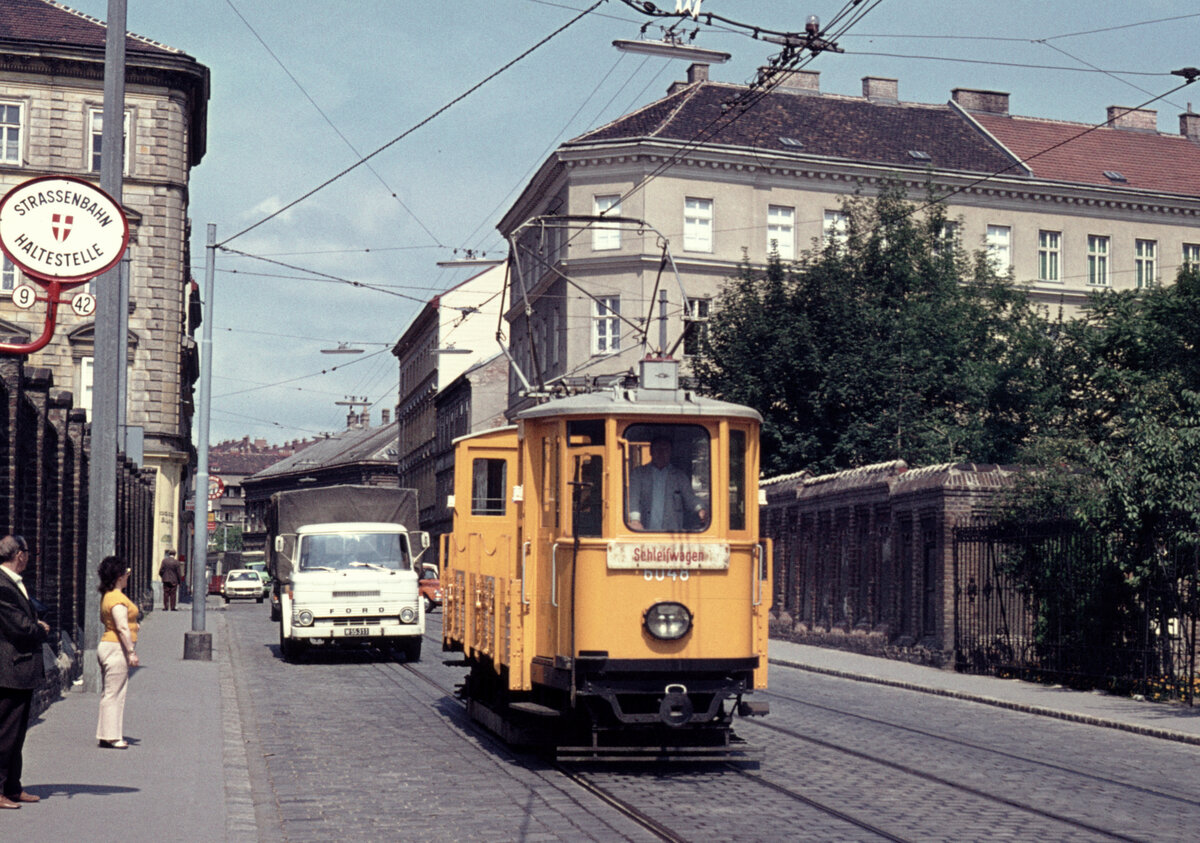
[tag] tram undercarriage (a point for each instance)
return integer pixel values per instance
(618, 715)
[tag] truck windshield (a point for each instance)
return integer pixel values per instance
(342, 551)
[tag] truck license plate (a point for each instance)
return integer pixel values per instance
(356, 630)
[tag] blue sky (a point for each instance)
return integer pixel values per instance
(297, 83)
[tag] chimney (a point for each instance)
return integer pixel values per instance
(351, 419)
(798, 81)
(364, 420)
(1140, 119)
(989, 102)
(879, 89)
(696, 72)
(385, 416)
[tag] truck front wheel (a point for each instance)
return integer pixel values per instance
(412, 649)
(289, 648)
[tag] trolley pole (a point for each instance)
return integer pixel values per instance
(107, 355)
(197, 644)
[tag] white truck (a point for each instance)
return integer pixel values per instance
(345, 567)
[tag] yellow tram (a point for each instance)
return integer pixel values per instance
(604, 579)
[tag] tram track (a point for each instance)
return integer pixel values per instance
(942, 781)
(622, 807)
(630, 811)
(959, 742)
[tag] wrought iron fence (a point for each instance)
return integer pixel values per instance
(1050, 602)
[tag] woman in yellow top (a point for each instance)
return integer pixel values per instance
(115, 651)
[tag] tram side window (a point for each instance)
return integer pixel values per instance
(737, 479)
(587, 496)
(667, 478)
(489, 479)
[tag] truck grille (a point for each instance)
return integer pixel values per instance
(374, 593)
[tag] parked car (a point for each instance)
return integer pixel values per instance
(243, 584)
(430, 587)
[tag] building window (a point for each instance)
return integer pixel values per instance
(1049, 255)
(999, 247)
(606, 325)
(10, 277)
(1097, 260)
(96, 121)
(10, 133)
(1145, 263)
(606, 236)
(695, 326)
(834, 230)
(1191, 255)
(697, 224)
(84, 399)
(781, 232)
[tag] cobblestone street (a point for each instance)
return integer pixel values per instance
(357, 746)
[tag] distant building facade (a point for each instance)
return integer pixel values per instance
(472, 402)
(1067, 208)
(454, 331)
(51, 104)
(232, 462)
(358, 455)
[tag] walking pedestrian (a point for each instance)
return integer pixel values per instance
(170, 571)
(115, 652)
(21, 669)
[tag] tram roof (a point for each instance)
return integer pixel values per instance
(639, 402)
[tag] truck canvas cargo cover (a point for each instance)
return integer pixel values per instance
(288, 511)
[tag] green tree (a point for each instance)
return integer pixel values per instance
(1122, 461)
(892, 343)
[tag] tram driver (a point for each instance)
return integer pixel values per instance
(661, 497)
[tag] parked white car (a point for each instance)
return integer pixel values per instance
(243, 584)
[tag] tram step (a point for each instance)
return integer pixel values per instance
(536, 709)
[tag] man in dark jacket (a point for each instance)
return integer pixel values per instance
(21, 669)
(171, 574)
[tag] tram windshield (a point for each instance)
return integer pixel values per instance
(667, 478)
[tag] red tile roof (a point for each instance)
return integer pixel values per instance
(52, 23)
(1069, 152)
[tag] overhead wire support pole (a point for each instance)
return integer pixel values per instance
(197, 644)
(107, 354)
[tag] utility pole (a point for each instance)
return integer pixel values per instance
(197, 644)
(107, 354)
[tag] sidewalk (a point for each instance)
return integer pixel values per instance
(1160, 720)
(180, 777)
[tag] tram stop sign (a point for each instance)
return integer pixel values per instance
(62, 229)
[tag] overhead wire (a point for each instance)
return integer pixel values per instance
(437, 112)
(330, 122)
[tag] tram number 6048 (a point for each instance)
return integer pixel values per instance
(660, 575)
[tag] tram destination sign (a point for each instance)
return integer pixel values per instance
(668, 555)
(62, 229)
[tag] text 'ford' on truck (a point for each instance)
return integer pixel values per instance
(345, 565)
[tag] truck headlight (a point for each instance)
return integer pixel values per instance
(667, 621)
(304, 618)
(408, 615)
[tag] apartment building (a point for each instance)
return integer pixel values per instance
(51, 108)
(719, 176)
(453, 331)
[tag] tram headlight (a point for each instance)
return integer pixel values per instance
(668, 621)
(408, 615)
(304, 618)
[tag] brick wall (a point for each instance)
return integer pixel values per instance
(863, 558)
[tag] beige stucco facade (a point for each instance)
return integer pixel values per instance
(52, 99)
(738, 187)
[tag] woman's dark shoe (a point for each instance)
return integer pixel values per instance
(113, 745)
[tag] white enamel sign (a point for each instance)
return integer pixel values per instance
(660, 555)
(62, 228)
